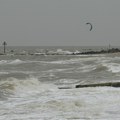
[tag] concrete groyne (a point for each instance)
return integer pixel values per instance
(107, 84)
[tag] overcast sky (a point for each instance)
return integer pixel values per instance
(60, 22)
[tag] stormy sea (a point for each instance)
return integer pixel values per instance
(38, 83)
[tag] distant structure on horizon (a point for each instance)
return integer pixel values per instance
(4, 44)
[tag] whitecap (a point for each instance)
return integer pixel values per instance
(113, 67)
(24, 87)
(60, 52)
(87, 68)
(67, 81)
(3, 72)
(17, 61)
(3, 62)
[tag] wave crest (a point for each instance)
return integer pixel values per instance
(23, 87)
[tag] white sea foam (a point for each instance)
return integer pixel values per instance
(24, 87)
(60, 52)
(3, 62)
(77, 60)
(86, 103)
(70, 61)
(17, 61)
(86, 68)
(110, 63)
(58, 70)
(113, 67)
(70, 81)
(3, 72)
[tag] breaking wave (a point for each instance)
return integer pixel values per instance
(113, 67)
(16, 61)
(71, 61)
(58, 51)
(62, 52)
(22, 87)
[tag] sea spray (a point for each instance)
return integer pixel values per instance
(24, 87)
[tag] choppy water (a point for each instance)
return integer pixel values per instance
(29, 86)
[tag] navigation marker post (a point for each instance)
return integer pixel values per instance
(4, 44)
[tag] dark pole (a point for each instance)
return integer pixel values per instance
(4, 44)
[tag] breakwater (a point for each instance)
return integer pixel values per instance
(109, 84)
(112, 50)
(61, 52)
